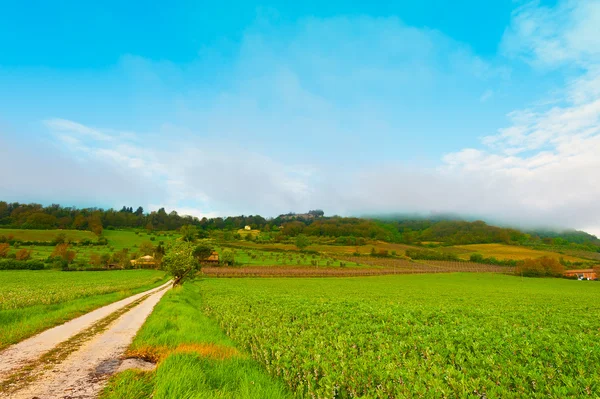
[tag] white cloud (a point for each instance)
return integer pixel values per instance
(337, 86)
(193, 171)
(553, 36)
(64, 125)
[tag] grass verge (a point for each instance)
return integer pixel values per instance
(195, 358)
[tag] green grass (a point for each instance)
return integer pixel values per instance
(446, 335)
(32, 301)
(47, 235)
(196, 360)
(257, 257)
(117, 240)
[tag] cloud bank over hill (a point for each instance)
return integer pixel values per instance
(308, 119)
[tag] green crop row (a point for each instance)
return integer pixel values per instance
(448, 335)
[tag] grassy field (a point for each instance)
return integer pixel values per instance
(32, 301)
(334, 250)
(258, 257)
(47, 235)
(196, 360)
(502, 251)
(444, 335)
(117, 241)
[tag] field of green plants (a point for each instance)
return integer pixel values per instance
(257, 257)
(436, 335)
(31, 301)
(196, 359)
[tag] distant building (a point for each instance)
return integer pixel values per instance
(213, 258)
(247, 228)
(582, 274)
(146, 262)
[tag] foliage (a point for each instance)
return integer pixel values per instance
(202, 252)
(188, 233)
(302, 241)
(23, 254)
(458, 335)
(146, 248)
(4, 248)
(313, 223)
(14, 264)
(540, 267)
(228, 258)
(180, 263)
(63, 252)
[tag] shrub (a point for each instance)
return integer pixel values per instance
(62, 251)
(541, 267)
(23, 254)
(228, 258)
(13, 264)
(4, 248)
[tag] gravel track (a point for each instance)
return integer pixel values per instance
(81, 374)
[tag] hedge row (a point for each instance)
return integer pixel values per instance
(13, 264)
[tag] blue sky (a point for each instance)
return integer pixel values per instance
(479, 108)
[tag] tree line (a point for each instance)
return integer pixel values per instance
(313, 223)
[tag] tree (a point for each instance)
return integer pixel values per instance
(180, 263)
(4, 248)
(62, 251)
(23, 254)
(60, 238)
(146, 248)
(202, 252)
(188, 233)
(302, 241)
(227, 258)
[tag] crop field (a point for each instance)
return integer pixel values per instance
(31, 301)
(400, 249)
(256, 257)
(435, 335)
(403, 266)
(360, 266)
(196, 359)
(502, 251)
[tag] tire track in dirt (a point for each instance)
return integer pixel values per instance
(96, 355)
(17, 356)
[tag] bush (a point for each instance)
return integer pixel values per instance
(4, 248)
(13, 264)
(541, 267)
(23, 254)
(228, 258)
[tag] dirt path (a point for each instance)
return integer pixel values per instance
(80, 374)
